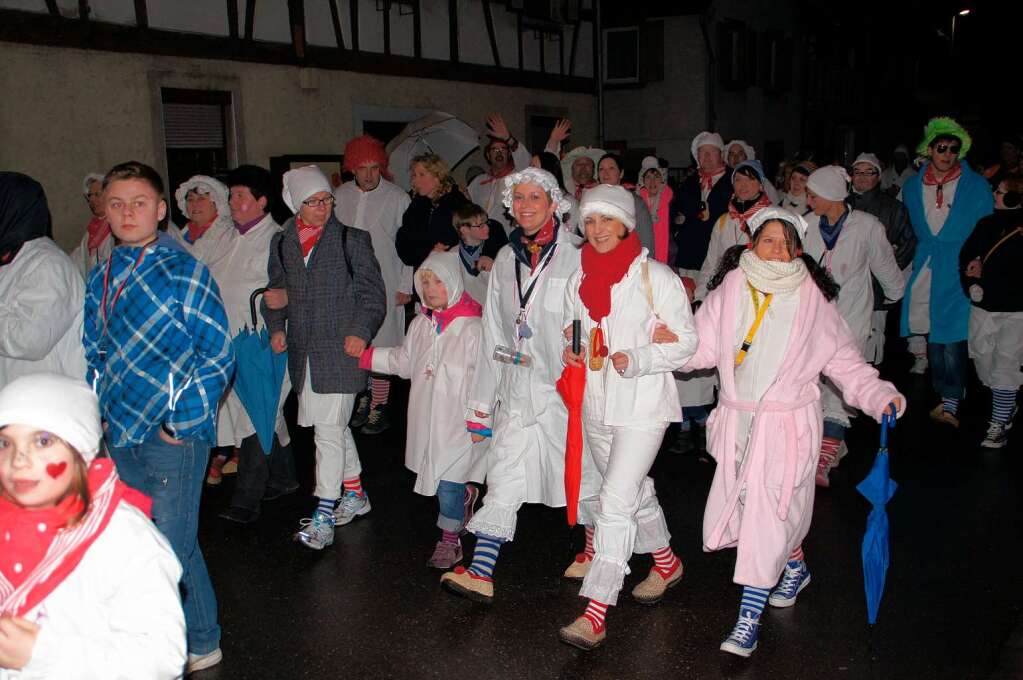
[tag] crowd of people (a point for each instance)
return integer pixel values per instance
(563, 320)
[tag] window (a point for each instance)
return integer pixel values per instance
(621, 55)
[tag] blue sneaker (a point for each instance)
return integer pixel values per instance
(316, 532)
(743, 639)
(793, 580)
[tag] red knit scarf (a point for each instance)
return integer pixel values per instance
(195, 232)
(601, 271)
(534, 244)
(308, 235)
(930, 180)
(42, 551)
(743, 217)
(99, 229)
(708, 178)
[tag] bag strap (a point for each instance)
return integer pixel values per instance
(649, 289)
(1017, 230)
(344, 251)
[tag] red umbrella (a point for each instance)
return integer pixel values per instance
(571, 386)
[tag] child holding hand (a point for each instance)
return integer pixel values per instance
(439, 356)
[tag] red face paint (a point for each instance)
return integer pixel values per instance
(56, 469)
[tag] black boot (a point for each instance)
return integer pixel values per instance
(360, 414)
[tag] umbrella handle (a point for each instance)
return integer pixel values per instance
(887, 423)
(252, 304)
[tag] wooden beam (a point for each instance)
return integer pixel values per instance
(232, 18)
(335, 19)
(250, 18)
(453, 30)
(561, 51)
(387, 26)
(296, 20)
(353, 6)
(417, 29)
(141, 14)
(51, 5)
(518, 31)
(575, 46)
(489, 16)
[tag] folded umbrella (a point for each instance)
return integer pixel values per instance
(878, 488)
(258, 376)
(571, 386)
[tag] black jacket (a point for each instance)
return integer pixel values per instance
(693, 236)
(893, 215)
(1002, 273)
(426, 224)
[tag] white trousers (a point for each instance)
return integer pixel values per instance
(625, 513)
(996, 347)
(337, 459)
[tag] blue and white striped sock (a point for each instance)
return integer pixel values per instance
(753, 600)
(484, 558)
(325, 505)
(1002, 403)
(950, 405)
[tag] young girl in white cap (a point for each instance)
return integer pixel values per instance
(88, 586)
(620, 294)
(771, 329)
(439, 356)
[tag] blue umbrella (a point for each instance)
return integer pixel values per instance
(878, 488)
(258, 376)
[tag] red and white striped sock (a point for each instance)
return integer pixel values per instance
(595, 613)
(379, 389)
(829, 451)
(797, 555)
(588, 550)
(354, 484)
(450, 537)
(665, 562)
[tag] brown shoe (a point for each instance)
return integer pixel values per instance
(580, 634)
(939, 414)
(465, 583)
(579, 568)
(652, 589)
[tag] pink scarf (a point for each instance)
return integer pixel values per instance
(662, 230)
(466, 306)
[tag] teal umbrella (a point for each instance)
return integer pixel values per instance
(259, 373)
(878, 487)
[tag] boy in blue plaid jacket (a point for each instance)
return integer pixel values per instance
(159, 356)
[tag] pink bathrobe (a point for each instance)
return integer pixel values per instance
(778, 471)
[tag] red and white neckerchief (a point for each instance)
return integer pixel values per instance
(40, 550)
(939, 184)
(308, 235)
(98, 230)
(708, 179)
(743, 217)
(194, 232)
(580, 189)
(504, 172)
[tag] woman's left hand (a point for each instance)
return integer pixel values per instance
(17, 640)
(620, 360)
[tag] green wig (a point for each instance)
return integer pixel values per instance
(944, 126)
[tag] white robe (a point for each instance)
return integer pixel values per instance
(379, 212)
(488, 193)
(42, 306)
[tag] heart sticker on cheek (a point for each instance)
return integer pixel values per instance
(56, 469)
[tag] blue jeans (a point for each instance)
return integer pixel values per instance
(833, 429)
(451, 498)
(948, 368)
(698, 414)
(173, 477)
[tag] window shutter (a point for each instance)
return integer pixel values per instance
(193, 126)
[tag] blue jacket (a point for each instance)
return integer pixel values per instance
(949, 308)
(166, 355)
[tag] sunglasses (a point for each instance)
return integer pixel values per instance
(950, 148)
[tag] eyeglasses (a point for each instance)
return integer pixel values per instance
(864, 173)
(318, 202)
(473, 225)
(950, 148)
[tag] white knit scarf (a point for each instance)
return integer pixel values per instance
(770, 276)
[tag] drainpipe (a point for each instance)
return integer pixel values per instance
(598, 69)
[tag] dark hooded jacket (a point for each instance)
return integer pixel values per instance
(24, 214)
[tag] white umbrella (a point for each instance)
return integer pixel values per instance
(566, 163)
(440, 133)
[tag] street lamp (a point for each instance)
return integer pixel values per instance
(960, 13)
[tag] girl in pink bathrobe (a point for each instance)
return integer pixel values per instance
(771, 329)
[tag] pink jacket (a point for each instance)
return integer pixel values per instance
(778, 472)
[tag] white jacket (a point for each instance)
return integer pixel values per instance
(862, 249)
(118, 615)
(725, 234)
(41, 310)
(86, 259)
(379, 212)
(215, 245)
(645, 394)
(441, 368)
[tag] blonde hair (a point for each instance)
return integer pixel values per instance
(436, 166)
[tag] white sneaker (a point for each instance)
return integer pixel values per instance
(316, 532)
(351, 506)
(919, 364)
(199, 662)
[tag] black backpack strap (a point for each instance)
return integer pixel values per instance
(344, 250)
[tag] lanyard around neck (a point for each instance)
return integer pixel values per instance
(524, 297)
(120, 288)
(760, 310)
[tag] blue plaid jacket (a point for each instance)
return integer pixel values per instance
(166, 355)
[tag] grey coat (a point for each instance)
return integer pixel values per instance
(325, 304)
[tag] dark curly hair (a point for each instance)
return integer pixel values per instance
(820, 276)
